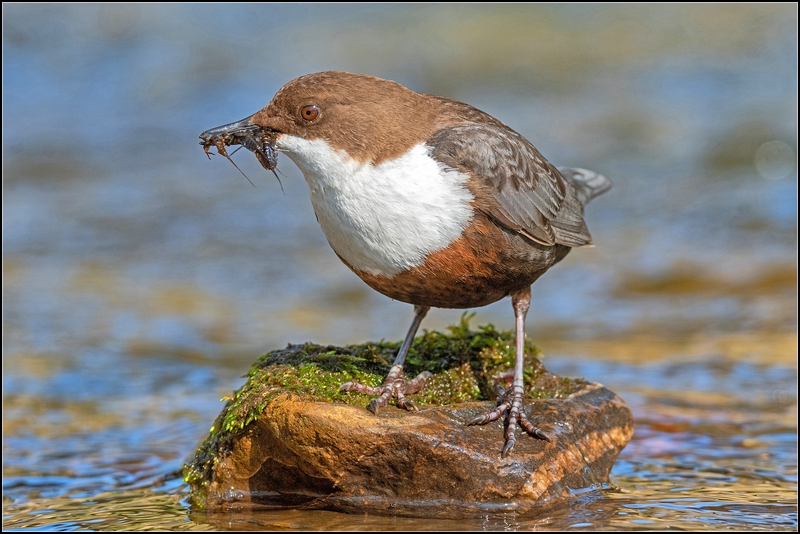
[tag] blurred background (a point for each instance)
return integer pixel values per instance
(140, 280)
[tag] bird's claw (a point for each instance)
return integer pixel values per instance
(509, 446)
(395, 386)
(510, 401)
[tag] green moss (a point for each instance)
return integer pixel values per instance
(466, 364)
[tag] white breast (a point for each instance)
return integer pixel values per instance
(387, 218)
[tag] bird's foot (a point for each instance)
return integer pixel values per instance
(395, 386)
(510, 400)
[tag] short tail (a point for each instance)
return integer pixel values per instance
(588, 184)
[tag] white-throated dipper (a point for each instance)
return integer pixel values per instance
(428, 200)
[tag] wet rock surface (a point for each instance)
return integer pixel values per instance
(288, 437)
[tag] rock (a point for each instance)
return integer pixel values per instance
(288, 437)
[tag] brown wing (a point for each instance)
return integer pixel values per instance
(526, 194)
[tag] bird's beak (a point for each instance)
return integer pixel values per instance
(234, 130)
(257, 139)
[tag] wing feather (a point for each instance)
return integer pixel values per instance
(526, 193)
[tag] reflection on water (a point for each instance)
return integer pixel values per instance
(715, 447)
(140, 280)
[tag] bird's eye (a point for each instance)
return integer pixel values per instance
(309, 112)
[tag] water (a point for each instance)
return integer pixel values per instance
(141, 280)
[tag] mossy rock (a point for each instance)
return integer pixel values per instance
(466, 365)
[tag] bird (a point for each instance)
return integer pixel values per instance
(429, 200)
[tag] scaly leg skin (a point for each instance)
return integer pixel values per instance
(510, 400)
(395, 384)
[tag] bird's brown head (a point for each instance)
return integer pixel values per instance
(370, 118)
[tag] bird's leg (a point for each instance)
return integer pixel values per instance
(510, 400)
(395, 384)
